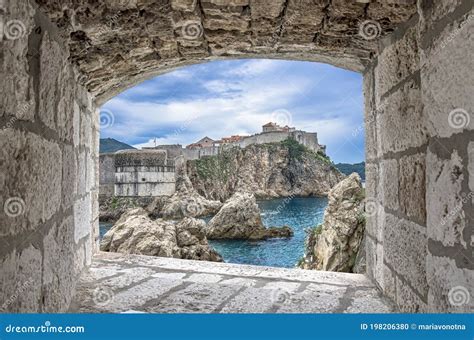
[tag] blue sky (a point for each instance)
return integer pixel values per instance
(223, 98)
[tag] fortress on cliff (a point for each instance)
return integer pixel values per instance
(151, 171)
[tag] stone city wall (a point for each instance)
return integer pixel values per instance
(49, 143)
(420, 160)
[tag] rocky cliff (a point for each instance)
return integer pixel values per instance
(136, 233)
(335, 245)
(267, 170)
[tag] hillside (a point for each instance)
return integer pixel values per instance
(112, 145)
(347, 169)
(268, 170)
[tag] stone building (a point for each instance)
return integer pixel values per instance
(136, 173)
(69, 57)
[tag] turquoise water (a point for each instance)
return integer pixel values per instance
(103, 228)
(298, 213)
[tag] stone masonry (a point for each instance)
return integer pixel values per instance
(419, 129)
(49, 138)
(118, 283)
(61, 59)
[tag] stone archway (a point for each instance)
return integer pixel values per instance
(61, 59)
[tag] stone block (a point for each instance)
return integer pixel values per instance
(184, 5)
(433, 11)
(267, 9)
(371, 115)
(58, 278)
(389, 283)
(451, 289)
(388, 186)
(372, 179)
(470, 167)
(408, 301)
(446, 218)
(76, 124)
(412, 187)
(402, 122)
(405, 251)
(69, 176)
(82, 173)
(397, 62)
(65, 107)
(32, 186)
(371, 257)
(86, 129)
(21, 281)
(18, 100)
(447, 81)
(52, 67)
(82, 218)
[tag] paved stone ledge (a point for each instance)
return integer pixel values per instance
(117, 283)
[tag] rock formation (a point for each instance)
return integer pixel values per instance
(185, 202)
(136, 233)
(335, 244)
(239, 218)
(268, 170)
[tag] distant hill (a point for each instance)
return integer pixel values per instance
(112, 145)
(347, 169)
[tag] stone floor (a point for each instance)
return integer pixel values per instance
(117, 283)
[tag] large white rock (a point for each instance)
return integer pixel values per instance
(136, 233)
(239, 218)
(334, 245)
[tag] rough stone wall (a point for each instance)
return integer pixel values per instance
(48, 174)
(121, 43)
(420, 160)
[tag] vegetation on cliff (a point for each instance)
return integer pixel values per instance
(281, 169)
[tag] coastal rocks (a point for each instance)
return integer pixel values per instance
(334, 245)
(136, 233)
(239, 218)
(280, 169)
(111, 208)
(185, 202)
(189, 205)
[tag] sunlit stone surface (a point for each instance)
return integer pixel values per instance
(117, 283)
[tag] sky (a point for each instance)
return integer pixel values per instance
(236, 97)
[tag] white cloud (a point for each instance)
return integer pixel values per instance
(238, 100)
